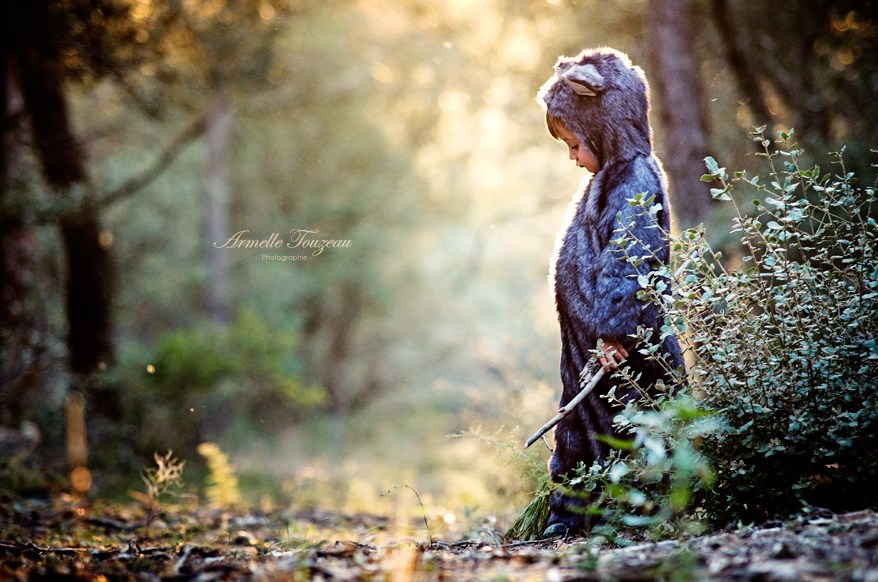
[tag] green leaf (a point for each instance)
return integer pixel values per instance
(720, 194)
(795, 215)
(617, 471)
(625, 445)
(638, 520)
(711, 164)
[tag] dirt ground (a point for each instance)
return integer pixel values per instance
(60, 539)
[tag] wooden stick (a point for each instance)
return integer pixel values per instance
(593, 381)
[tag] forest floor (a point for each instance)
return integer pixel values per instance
(62, 539)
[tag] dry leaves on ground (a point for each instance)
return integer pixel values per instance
(60, 539)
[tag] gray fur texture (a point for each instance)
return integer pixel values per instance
(604, 101)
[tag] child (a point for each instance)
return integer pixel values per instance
(598, 104)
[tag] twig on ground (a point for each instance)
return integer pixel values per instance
(178, 567)
(421, 503)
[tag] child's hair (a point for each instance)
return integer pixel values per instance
(555, 125)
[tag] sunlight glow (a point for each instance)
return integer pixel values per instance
(105, 238)
(267, 12)
(141, 10)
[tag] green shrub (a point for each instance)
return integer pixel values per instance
(212, 382)
(782, 338)
(650, 481)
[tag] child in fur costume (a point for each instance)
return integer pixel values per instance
(598, 104)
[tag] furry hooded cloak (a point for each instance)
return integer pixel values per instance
(603, 100)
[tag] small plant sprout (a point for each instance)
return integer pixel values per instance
(420, 503)
(222, 482)
(160, 480)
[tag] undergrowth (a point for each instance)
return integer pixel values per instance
(778, 409)
(782, 338)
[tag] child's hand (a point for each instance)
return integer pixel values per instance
(614, 354)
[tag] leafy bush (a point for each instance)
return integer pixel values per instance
(650, 480)
(782, 337)
(778, 409)
(207, 380)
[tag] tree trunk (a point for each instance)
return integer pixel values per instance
(336, 358)
(751, 90)
(676, 80)
(88, 292)
(328, 342)
(88, 288)
(218, 130)
(774, 53)
(22, 330)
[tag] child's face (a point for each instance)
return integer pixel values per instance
(579, 152)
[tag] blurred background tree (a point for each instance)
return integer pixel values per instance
(676, 80)
(813, 68)
(139, 133)
(45, 45)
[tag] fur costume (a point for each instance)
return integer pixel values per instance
(603, 100)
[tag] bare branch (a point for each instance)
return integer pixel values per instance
(590, 383)
(167, 157)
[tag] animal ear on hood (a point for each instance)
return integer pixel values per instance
(585, 80)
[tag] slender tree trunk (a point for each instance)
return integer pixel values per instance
(338, 353)
(12, 286)
(676, 81)
(218, 134)
(751, 90)
(88, 285)
(22, 333)
(333, 332)
(791, 79)
(88, 292)
(5, 124)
